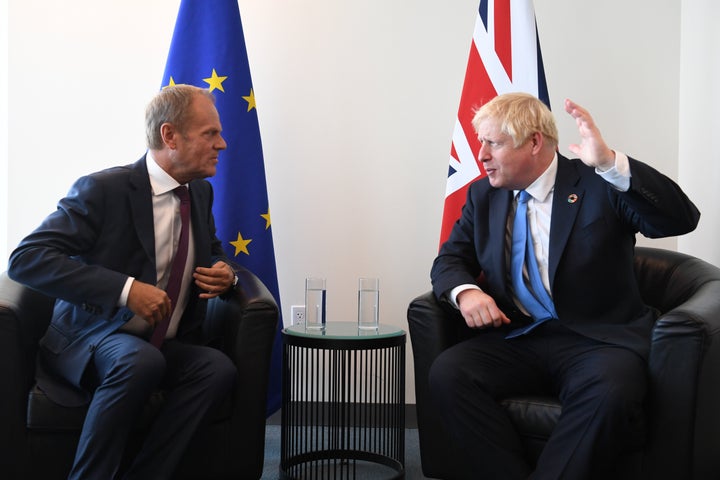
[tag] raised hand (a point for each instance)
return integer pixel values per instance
(592, 149)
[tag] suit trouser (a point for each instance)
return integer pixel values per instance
(601, 388)
(126, 370)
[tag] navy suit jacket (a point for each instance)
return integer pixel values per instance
(82, 254)
(592, 240)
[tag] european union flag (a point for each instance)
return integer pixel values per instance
(208, 50)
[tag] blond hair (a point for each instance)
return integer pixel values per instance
(520, 115)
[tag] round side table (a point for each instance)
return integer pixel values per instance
(343, 402)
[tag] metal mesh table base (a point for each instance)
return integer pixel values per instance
(343, 412)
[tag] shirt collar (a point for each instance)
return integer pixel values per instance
(160, 181)
(544, 184)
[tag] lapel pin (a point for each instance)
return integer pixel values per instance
(572, 198)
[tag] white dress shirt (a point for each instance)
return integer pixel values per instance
(167, 224)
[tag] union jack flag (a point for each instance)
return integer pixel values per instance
(504, 57)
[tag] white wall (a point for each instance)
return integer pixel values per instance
(619, 60)
(699, 122)
(3, 126)
(356, 102)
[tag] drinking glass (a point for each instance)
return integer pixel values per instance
(315, 303)
(368, 303)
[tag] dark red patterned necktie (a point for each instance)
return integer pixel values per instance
(178, 265)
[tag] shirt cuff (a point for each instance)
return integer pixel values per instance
(461, 288)
(619, 175)
(122, 301)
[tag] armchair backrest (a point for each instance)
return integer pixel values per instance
(667, 278)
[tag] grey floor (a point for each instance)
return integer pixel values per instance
(413, 470)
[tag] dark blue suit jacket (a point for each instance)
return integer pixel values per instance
(592, 239)
(83, 253)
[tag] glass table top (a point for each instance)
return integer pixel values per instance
(344, 331)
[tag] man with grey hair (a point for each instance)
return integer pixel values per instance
(132, 258)
(558, 311)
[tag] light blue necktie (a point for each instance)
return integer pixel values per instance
(534, 298)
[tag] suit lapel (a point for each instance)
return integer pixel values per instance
(567, 201)
(140, 199)
(500, 204)
(198, 214)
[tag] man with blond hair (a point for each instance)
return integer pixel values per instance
(558, 311)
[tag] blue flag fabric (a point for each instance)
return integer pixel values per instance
(208, 51)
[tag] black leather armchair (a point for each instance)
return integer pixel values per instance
(683, 438)
(38, 437)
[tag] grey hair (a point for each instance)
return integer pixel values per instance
(170, 105)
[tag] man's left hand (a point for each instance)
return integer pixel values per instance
(592, 150)
(215, 280)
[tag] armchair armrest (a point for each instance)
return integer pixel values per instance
(433, 328)
(24, 316)
(247, 320)
(684, 363)
(684, 368)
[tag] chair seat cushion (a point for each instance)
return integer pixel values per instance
(533, 417)
(44, 414)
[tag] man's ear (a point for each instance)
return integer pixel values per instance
(168, 132)
(537, 140)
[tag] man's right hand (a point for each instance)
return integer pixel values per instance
(148, 302)
(480, 310)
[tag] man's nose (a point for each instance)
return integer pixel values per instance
(484, 153)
